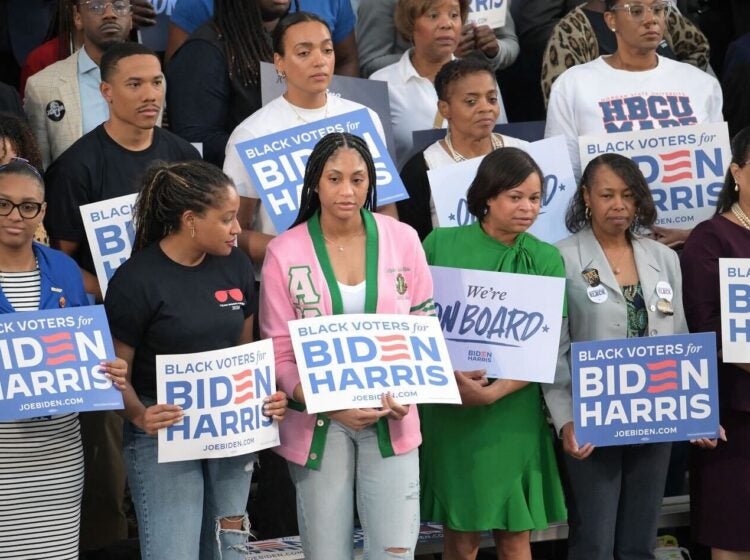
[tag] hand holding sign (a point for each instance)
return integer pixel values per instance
(570, 443)
(358, 419)
(117, 372)
(158, 416)
(275, 406)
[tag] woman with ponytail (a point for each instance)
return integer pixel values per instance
(344, 259)
(166, 299)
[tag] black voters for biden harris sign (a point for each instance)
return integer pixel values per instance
(51, 362)
(276, 163)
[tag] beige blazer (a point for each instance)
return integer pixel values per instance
(588, 320)
(45, 90)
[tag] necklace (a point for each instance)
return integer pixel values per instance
(615, 265)
(496, 139)
(304, 120)
(739, 213)
(346, 241)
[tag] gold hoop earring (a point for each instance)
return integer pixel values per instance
(192, 231)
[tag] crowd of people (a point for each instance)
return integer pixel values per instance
(99, 115)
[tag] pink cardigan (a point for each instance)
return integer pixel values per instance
(294, 285)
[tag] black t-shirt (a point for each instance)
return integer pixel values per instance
(158, 306)
(97, 168)
(206, 101)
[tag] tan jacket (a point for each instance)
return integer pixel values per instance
(52, 102)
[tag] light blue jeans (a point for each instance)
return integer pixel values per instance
(179, 504)
(387, 491)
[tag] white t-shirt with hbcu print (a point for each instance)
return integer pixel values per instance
(274, 117)
(595, 98)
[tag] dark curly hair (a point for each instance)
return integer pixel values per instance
(740, 156)
(627, 170)
(18, 134)
(456, 69)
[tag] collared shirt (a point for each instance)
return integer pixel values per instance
(413, 102)
(94, 109)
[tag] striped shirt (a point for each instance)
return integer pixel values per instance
(41, 466)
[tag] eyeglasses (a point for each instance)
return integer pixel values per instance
(27, 210)
(638, 11)
(98, 7)
(16, 162)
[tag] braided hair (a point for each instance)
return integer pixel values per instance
(168, 190)
(323, 151)
(240, 26)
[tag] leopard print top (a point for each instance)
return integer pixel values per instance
(573, 42)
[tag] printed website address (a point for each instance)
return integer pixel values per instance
(394, 394)
(49, 405)
(646, 432)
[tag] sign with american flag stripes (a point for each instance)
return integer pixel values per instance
(351, 361)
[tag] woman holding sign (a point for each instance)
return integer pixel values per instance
(719, 493)
(612, 277)
(468, 101)
(41, 459)
(340, 258)
(185, 289)
(632, 89)
(490, 464)
(304, 59)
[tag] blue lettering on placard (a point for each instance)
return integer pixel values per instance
(481, 5)
(111, 238)
(629, 391)
(739, 298)
(715, 166)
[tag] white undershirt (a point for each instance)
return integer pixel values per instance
(353, 297)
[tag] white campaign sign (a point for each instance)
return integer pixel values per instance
(734, 282)
(110, 233)
(507, 324)
(683, 165)
(349, 361)
(221, 393)
(450, 183)
(488, 12)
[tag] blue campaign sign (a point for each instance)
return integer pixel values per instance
(276, 163)
(645, 390)
(50, 363)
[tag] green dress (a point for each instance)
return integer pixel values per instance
(490, 467)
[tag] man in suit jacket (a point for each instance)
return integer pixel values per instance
(63, 101)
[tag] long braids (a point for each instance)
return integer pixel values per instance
(323, 151)
(168, 191)
(240, 25)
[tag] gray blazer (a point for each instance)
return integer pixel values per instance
(588, 320)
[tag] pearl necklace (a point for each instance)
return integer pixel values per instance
(496, 139)
(739, 213)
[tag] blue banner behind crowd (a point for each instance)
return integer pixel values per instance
(276, 163)
(645, 390)
(50, 363)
